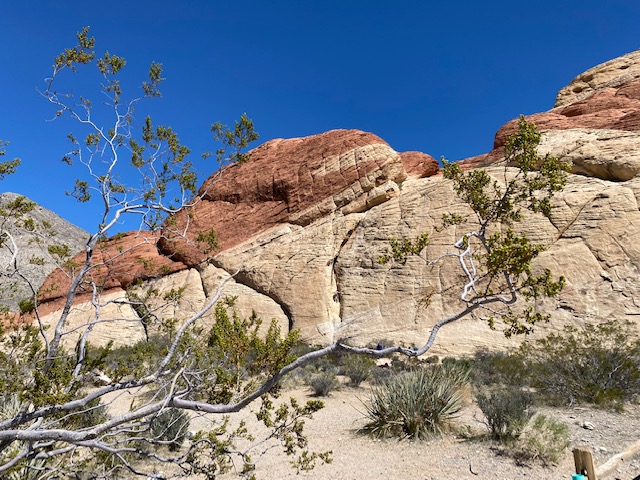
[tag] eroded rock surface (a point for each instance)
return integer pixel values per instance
(293, 181)
(303, 223)
(620, 71)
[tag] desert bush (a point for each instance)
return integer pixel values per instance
(325, 364)
(415, 404)
(171, 427)
(544, 440)
(380, 375)
(597, 364)
(491, 368)
(94, 414)
(357, 368)
(26, 305)
(323, 383)
(463, 363)
(507, 412)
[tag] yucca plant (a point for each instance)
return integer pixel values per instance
(415, 404)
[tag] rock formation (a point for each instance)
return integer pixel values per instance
(43, 229)
(303, 222)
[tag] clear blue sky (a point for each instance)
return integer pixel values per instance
(439, 77)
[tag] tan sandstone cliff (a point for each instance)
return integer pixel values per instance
(304, 222)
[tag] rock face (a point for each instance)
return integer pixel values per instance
(117, 262)
(303, 223)
(44, 230)
(295, 181)
(595, 123)
(612, 74)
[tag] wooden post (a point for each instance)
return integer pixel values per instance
(583, 458)
(610, 466)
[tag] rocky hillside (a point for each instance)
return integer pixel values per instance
(304, 222)
(33, 257)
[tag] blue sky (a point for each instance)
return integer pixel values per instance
(439, 77)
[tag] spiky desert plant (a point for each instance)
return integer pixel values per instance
(415, 404)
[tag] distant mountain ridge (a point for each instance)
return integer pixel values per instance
(33, 257)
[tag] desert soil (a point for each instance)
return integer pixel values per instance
(466, 455)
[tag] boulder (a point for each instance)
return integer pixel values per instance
(418, 164)
(301, 227)
(293, 181)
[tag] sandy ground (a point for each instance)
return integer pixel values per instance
(452, 456)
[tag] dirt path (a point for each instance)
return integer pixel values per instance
(358, 457)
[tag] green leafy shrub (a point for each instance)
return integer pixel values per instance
(597, 364)
(323, 383)
(26, 305)
(544, 440)
(171, 427)
(94, 414)
(357, 368)
(507, 412)
(127, 360)
(415, 404)
(380, 375)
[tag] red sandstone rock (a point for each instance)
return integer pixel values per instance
(117, 262)
(285, 181)
(419, 164)
(608, 108)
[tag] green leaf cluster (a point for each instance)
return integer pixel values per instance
(240, 355)
(403, 248)
(7, 167)
(532, 187)
(82, 53)
(233, 141)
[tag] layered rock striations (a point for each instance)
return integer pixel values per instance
(302, 224)
(294, 181)
(595, 123)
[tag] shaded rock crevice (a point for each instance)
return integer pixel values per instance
(244, 279)
(337, 272)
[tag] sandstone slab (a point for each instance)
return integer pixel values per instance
(112, 321)
(286, 181)
(613, 73)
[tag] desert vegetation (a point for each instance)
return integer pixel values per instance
(58, 422)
